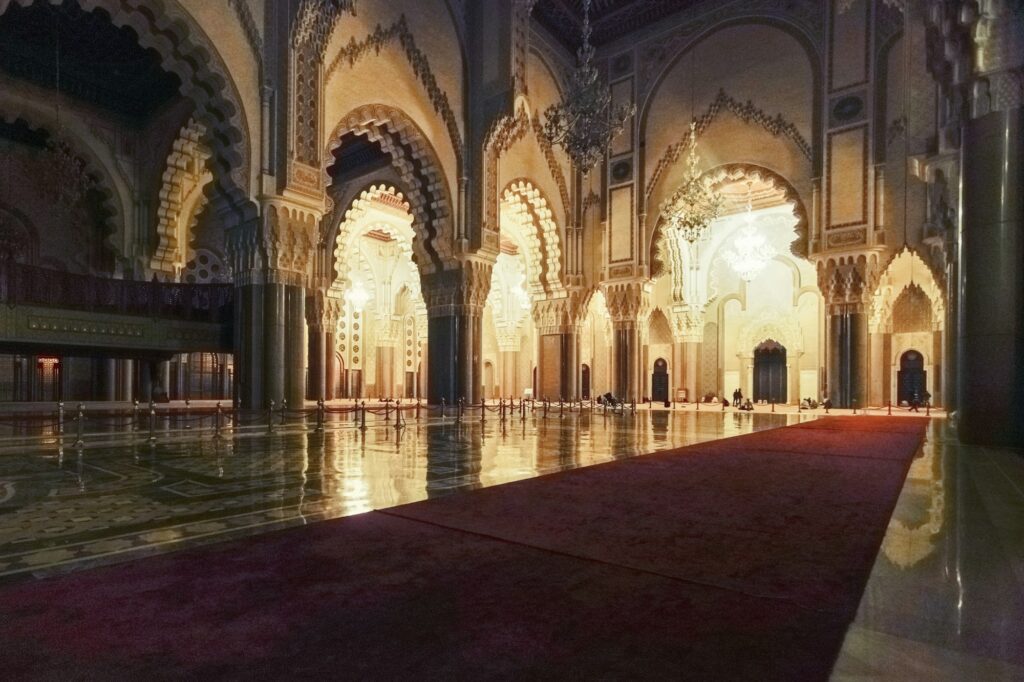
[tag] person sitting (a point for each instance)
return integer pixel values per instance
(827, 404)
(725, 402)
(747, 406)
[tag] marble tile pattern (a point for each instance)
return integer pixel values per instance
(120, 497)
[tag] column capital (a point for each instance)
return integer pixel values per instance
(687, 323)
(458, 290)
(629, 302)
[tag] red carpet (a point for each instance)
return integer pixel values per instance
(742, 558)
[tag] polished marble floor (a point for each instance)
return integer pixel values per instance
(945, 599)
(121, 497)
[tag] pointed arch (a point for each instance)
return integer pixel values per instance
(417, 163)
(532, 212)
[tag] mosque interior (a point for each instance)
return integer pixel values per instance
(538, 236)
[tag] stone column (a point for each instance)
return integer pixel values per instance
(296, 346)
(333, 370)
(691, 369)
(317, 389)
(455, 300)
(274, 326)
(109, 367)
(991, 329)
(878, 366)
(127, 375)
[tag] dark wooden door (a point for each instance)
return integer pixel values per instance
(911, 379)
(770, 373)
(659, 381)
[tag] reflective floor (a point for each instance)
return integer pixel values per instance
(945, 599)
(119, 497)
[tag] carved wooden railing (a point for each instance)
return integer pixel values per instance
(30, 285)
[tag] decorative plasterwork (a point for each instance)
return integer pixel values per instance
(417, 164)
(458, 291)
(377, 41)
(844, 281)
(772, 325)
(748, 113)
(530, 208)
(628, 302)
(315, 21)
(509, 301)
(181, 196)
(687, 323)
(252, 32)
(289, 234)
(660, 248)
(206, 81)
(906, 269)
(92, 166)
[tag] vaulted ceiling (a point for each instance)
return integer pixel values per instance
(610, 19)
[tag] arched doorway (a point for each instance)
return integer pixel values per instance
(770, 372)
(911, 379)
(585, 378)
(659, 381)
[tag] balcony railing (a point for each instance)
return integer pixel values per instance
(29, 285)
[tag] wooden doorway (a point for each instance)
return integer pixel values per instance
(770, 372)
(911, 379)
(659, 381)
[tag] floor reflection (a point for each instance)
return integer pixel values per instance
(945, 599)
(62, 508)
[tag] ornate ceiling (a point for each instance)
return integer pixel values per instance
(99, 63)
(610, 19)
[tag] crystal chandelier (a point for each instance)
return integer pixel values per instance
(584, 123)
(695, 205)
(750, 252)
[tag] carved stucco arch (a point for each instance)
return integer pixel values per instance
(542, 236)
(356, 223)
(504, 133)
(187, 52)
(416, 162)
(793, 30)
(99, 164)
(733, 172)
(182, 197)
(888, 288)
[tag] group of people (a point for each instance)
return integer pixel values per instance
(738, 402)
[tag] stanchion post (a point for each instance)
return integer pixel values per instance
(319, 414)
(398, 414)
(890, 408)
(387, 409)
(632, 405)
(442, 407)
(216, 423)
(188, 404)
(152, 422)
(362, 417)
(928, 409)
(270, 417)
(417, 409)
(545, 408)
(561, 408)
(60, 416)
(483, 410)
(135, 415)
(81, 425)
(284, 407)
(773, 406)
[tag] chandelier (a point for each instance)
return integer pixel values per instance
(584, 123)
(750, 252)
(695, 205)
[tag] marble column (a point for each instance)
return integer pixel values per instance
(249, 339)
(331, 390)
(444, 359)
(878, 367)
(108, 367)
(318, 367)
(626, 349)
(991, 328)
(274, 330)
(296, 346)
(510, 374)
(127, 376)
(691, 369)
